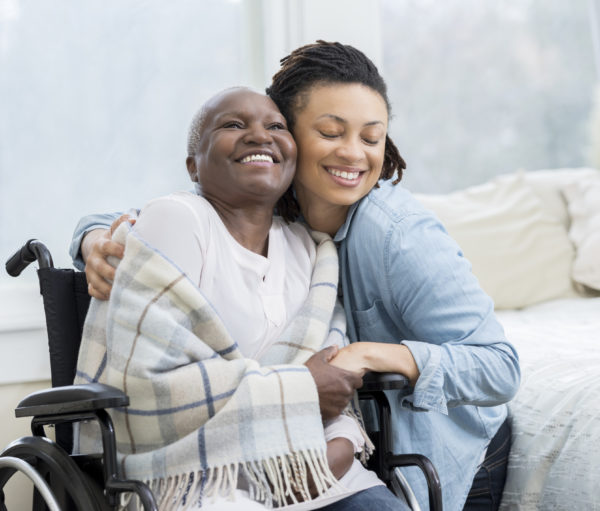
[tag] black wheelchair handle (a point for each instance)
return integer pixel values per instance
(31, 251)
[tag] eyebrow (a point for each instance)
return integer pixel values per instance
(229, 113)
(344, 121)
(242, 113)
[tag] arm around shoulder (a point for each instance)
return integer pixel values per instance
(84, 226)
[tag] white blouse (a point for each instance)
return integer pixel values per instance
(254, 296)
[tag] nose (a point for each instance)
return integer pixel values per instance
(258, 134)
(350, 151)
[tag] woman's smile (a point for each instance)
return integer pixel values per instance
(260, 158)
(345, 176)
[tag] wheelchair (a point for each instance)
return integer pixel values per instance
(73, 482)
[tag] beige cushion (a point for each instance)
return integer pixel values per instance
(583, 198)
(548, 186)
(520, 254)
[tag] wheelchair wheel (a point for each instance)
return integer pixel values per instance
(400, 487)
(73, 489)
(9, 465)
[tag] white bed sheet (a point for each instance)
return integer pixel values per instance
(555, 456)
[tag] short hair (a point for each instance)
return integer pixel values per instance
(327, 63)
(195, 131)
(197, 124)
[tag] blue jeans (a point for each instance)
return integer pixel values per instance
(377, 497)
(486, 491)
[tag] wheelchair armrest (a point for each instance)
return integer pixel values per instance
(71, 399)
(372, 382)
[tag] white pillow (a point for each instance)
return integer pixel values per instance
(548, 186)
(521, 254)
(583, 199)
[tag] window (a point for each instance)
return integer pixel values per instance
(95, 101)
(482, 88)
(96, 98)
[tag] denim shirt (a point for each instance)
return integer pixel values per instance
(405, 280)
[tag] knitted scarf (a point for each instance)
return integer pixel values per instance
(202, 417)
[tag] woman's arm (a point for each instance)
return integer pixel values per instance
(424, 297)
(458, 345)
(344, 440)
(361, 357)
(340, 456)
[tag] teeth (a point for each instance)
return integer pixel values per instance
(257, 157)
(343, 174)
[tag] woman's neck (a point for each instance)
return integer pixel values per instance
(323, 217)
(249, 226)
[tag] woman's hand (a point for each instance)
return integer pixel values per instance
(335, 386)
(96, 247)
(352, 358)
(380, 357)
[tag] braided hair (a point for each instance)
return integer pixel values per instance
(324, 63)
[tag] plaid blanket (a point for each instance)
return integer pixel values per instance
(202, 418)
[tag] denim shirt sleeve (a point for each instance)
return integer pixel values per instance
(459, 346)
(86, 224)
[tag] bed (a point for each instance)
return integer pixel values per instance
(555, 454)
(534, 241)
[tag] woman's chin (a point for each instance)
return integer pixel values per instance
(268, 193)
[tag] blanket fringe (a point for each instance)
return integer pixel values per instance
(275, 482)
(353, 411)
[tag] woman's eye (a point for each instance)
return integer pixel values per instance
(233, 124)
(371, 141)
(277, 126)
(329, 135)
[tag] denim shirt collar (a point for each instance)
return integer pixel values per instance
(342, 232)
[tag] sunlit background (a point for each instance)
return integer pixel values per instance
(96, 96)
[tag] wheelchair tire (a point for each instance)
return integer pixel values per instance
(74, 489)
(9, 465)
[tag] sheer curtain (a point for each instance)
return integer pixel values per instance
(95, 100)
(482, 88)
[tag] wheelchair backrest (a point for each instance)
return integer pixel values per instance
(66, 302)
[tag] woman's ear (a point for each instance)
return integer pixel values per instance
(190, 163)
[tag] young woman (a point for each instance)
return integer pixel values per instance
(408, 293)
